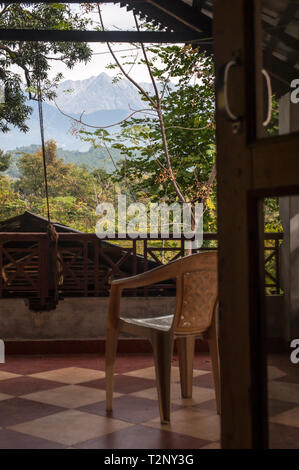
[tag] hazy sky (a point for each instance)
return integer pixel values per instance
(114, 17)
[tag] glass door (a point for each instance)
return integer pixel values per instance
(277, 74)
(257, 158)
(281, 312)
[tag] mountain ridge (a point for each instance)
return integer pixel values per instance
(99, 92)
(93, 158)
(103, 102)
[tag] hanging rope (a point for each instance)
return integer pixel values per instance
(42, 136)
(55, 263)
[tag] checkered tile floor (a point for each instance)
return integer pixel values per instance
(59, 402)
(283, 399)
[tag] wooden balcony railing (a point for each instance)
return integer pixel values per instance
(88, 264)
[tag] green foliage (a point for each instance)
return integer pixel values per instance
(188, 113)
(271, 205)
(5, 160)
(67, 210)
(271, 215)
(74, 190)
(34, 58)
(272, 223)
(272, 128)
(11, 203)
(93, 158)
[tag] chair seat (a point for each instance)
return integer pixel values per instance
(163, 323)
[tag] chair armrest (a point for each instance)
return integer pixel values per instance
(161, 273)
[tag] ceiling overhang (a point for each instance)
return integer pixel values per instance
(176, 21)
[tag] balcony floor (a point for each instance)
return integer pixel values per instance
(59, 402)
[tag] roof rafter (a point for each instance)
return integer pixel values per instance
(174, 15)
(184, 13)
(176, 9)
(98, 36)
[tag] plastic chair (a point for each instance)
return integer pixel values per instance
(195, 316)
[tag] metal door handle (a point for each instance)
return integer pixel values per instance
(223, 88)
(269, 90)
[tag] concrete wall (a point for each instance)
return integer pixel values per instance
(74, 318)
(85, 317)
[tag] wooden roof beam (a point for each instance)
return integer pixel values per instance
(184, 13)
(175, 10)
(99, 36)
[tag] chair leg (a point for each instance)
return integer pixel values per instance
(163, 349)
(111, 348)
(214, 352)
(185, 347)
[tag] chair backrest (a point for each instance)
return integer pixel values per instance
(197, 293)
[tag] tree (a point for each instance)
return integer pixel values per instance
(5, 159)
(169, 146)
(74, 191)
(185, 67)
(34, 59)
(11, 203)
(188, 117)
(31, 182)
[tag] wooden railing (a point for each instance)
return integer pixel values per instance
(88, 264)
(24, 265)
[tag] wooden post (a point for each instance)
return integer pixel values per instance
(233, 36)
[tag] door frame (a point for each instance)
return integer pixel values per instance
(258, 313)
(248, 169)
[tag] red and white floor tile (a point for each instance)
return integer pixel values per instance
(49, 402)
(59, 402)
